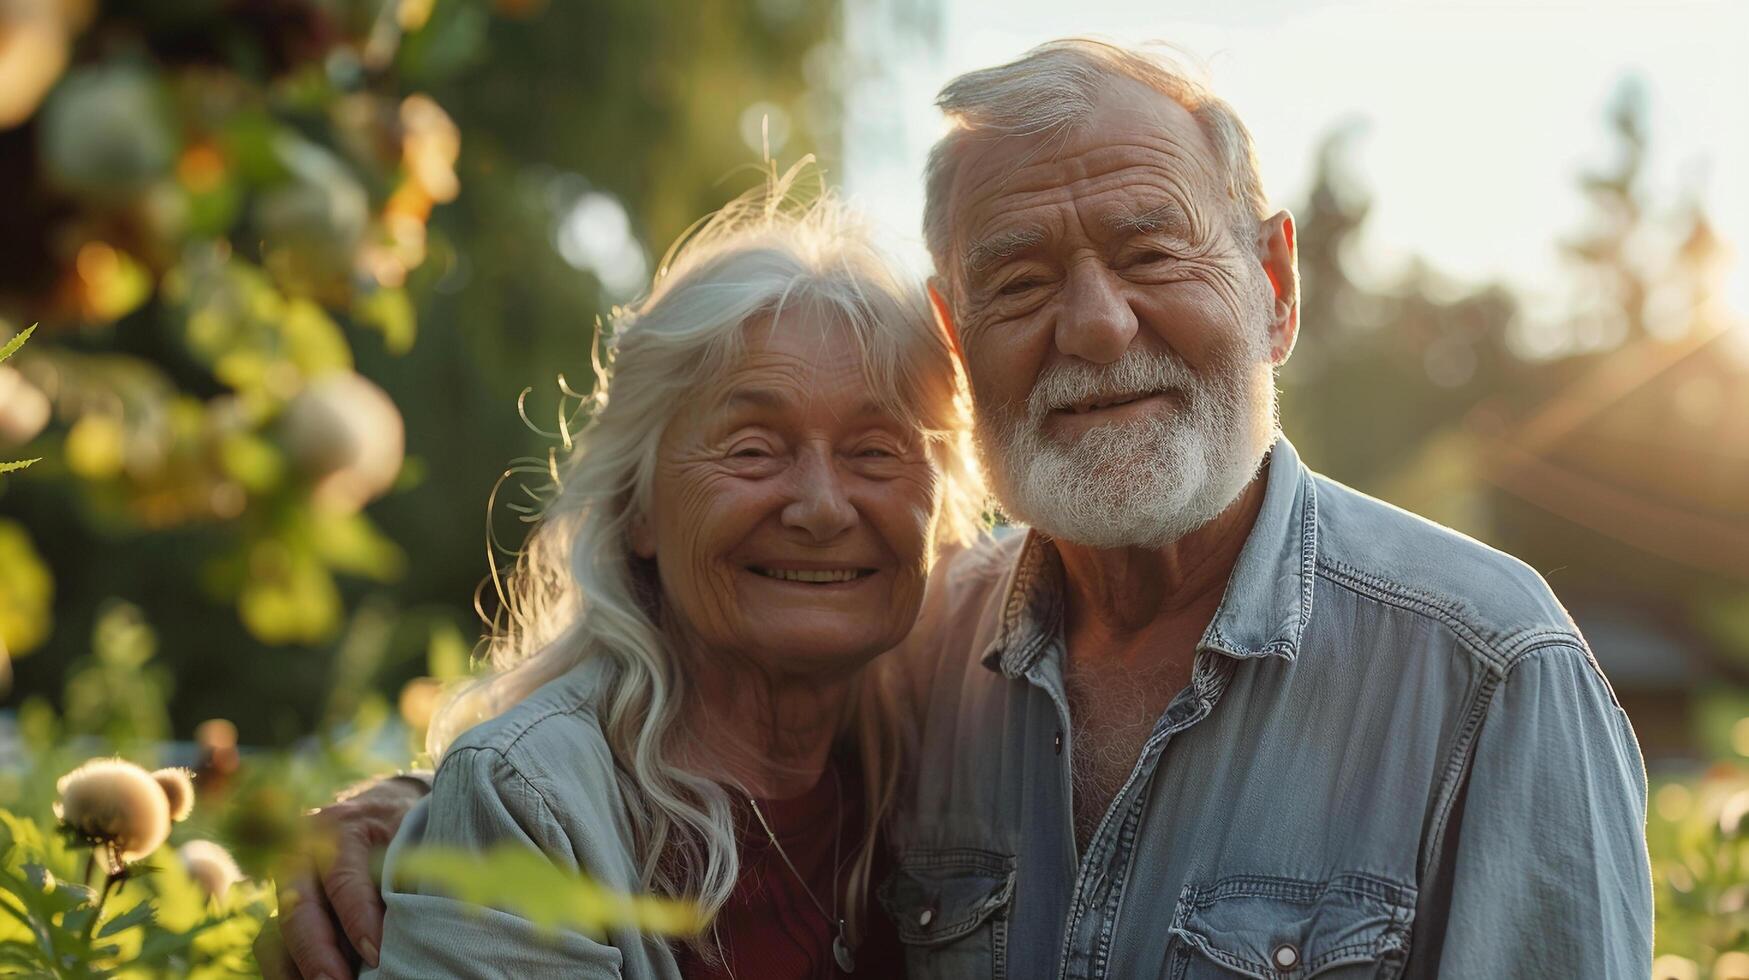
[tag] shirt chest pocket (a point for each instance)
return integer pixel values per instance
(951, 910)
(1347, 928)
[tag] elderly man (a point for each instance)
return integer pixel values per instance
(1213, 715)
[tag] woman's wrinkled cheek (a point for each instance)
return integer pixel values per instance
(694, 541)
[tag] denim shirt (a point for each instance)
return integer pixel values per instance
(1396, 757)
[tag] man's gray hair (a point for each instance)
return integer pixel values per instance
(1051, 87)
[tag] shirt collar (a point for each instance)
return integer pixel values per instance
(1263, 612)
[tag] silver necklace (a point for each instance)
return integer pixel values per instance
(842, 951)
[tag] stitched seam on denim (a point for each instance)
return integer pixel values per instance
(1308, 561)
(1556, 643)
(1463, 749)
(1117, 885)
(999, 945)
(568, 708)
(1383, 890)
(529, 784)
(1308, 552)
(1018, 594)
(1123, 851)
(957, 858)
(1501, 648)
(1365, 586)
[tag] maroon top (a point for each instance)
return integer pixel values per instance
(769, 928)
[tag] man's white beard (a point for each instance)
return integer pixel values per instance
(1143, 482)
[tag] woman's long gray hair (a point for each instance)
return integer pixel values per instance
(578, 593)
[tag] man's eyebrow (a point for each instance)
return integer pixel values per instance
(1164, 217)
(1001, 245)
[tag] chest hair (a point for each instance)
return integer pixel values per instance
(1113, 708)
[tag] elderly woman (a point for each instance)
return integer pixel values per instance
(683, 702)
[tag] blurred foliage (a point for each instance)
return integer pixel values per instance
(1698, 832)
(163, 918)
(518, 880)
(10, 388)
(168, 924)
(229, 216)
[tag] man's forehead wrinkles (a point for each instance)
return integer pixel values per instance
(1114, 202)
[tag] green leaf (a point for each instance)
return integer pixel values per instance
(350, 543)
(446, 653)
(522, 881)
(18, 953)
(11, 346)
(127, 920)
(17, 465)
(390, 312)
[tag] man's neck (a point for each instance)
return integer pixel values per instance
(1116, 596)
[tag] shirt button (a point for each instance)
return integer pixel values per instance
(1057, 743)
(925, 917)
(1286, 956)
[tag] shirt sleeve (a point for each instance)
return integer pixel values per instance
(1545, 871)
(478, 799)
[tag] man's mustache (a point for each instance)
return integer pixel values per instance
(1137, 373)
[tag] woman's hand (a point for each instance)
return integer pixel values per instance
(330, 909)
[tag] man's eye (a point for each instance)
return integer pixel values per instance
(750, 452)
(1148, 256)
(1017, 287)
(876, 452)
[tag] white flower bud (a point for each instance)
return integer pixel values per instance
(211, 866)
(24, 409)
(178, 786)
(115, 802)
(346, 433)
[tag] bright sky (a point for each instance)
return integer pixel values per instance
(1481, 114)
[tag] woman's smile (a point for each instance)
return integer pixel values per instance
(812, 573)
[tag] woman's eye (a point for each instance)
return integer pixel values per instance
(750, 452)
(876, 452)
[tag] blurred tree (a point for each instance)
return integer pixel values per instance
(1613, 272)
(229, 215)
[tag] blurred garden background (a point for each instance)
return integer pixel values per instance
(309, 276)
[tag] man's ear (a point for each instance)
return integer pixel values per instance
(641, 538)
(938, 302)
(1279, 255)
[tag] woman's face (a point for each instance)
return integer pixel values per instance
(792, 517)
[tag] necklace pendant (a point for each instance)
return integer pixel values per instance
(841, 952)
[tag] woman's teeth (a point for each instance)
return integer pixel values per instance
(798, 575)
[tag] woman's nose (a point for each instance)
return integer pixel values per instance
(820, 505)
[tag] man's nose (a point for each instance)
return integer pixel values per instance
(819, 505)
(1097, 323)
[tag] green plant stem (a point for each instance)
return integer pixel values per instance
(90, 863)
(109, 883)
